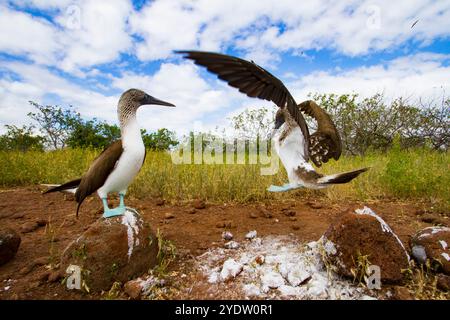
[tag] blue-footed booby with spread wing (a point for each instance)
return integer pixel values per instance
(115, 168)
(293, 143)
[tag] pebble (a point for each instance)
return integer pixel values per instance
(231, 245)
(29, 227)
(271, 280)
(169, 215)
(227, 235)
(192, 211)
(251, 235)
(230, 269)
(199, 204)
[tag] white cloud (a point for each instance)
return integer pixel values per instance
(94, 33)
(22, 34)
(264, 28)
(83, 34)
(422, 75)
(36, 84)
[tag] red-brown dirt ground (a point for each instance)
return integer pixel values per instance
(192, 231)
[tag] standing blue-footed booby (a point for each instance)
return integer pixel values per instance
(293, 143)
(115, 168)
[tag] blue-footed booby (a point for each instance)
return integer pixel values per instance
(293, 143)
(115, 168)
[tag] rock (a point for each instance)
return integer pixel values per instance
(41, 222)
(225, 224)
(18, 215)
(443, 282)
(253, 215)
(251, 235)
(292, 218)
(160, 202)
(169, 215)
(29, 227)
(432, 243)
(419, 253)
(192, 211)
(227, 235)
(314, 205)
(133, 289)
(295, 227)
(297, 276)
(260, 259)
(265, 213)
(55, 276)
(35, 263)
(199, 204)
(402, 293)
(231, 245)
(271, 280)
(364, 234)
(289, 213)
(432, 218)
(115, 249)
(230, 269)
(9, 244)
(251, 290)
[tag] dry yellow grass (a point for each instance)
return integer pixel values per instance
(419, 174)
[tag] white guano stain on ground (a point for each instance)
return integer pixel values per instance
(277, 268)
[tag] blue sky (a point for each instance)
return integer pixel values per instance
(86, 53)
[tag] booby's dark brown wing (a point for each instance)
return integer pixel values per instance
(325, 143)
(98, 172)
(252, 80)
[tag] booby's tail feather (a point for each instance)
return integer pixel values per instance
(69, 185)
(340, 178)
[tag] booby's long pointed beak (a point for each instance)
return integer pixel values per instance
(152, 100)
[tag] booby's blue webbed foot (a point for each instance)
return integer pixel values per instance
(119, 211)
(283, 188)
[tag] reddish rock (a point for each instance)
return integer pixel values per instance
(42, 222)
(169, 215)
(114, 249)
(363, 233)
(265, 213)
(160, 202)
(443, 282)
(314, 205)
(29, 227)
(289, 213)
(55, 276)
(253, 215)
(199, 204)
(33, 264)
(9, 244)
(133, 289)
(192, 211)
(401, 293)
(432, 243)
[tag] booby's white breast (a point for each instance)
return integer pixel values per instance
(129, 163)
(291, 151)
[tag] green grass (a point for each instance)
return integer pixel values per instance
(404, 174)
